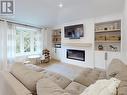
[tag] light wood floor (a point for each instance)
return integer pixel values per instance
(52, 62)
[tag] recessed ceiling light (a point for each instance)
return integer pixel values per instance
(60, 5)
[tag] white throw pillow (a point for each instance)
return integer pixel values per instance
(103, 87)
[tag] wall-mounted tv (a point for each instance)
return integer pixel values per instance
(74, 31)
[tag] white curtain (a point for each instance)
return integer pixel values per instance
(44, 39)
(39, 42)
(46, 33)
(7, 44)
(11, 43)
(3, 43)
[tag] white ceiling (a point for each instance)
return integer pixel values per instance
(47, 12)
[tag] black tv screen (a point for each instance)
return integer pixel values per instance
(74, 31)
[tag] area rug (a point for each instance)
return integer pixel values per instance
(70, 71)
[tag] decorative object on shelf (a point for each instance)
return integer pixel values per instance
(115, 26)
(100, 47)
(106, 28)
(100, 38)
(113, 48)
(113, 37)
(110, 27)
(46, 54)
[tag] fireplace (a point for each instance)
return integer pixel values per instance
(76, 54)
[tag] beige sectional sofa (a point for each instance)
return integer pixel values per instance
(9, 85)
(23, 81)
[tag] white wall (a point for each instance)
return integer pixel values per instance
(88, 38)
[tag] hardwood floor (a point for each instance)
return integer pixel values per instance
(52, 62)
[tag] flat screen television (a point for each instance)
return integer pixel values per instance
(74, 31)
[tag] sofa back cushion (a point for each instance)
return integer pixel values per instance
(48, 87)
(117, 69)
(26, 76)
(60, 80)
(75, 88)
(89, 76)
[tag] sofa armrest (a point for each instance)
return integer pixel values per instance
(48, 87)
(9, 85)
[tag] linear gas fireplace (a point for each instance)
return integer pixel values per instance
(76, 54)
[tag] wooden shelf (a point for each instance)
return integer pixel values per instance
(107, 41)
(78, 44)
(115, 30)
(56, 35)
(106, 51)
(56, 42)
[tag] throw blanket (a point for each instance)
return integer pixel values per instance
(103, 87)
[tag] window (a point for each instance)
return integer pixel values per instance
(27, 41)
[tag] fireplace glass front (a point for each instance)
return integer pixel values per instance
(76, 54)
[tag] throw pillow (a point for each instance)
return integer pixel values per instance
(103, 87)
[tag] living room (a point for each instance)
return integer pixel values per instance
(63, 47)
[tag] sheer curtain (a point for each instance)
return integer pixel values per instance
(11, 43)
(7, 44)
(3, 45)
(40, 41)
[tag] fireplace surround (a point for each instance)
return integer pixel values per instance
(76, 54)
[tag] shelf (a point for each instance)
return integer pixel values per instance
(107, 51)
(56, 35)
(57, 42)
(115, 30)
(107, 41)
(108, 33)
(78, 44)
(56, 38)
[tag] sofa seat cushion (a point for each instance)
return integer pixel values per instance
(75, 88)
(89, 76)
(60, 80)
(48, 87)
(26, 76)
